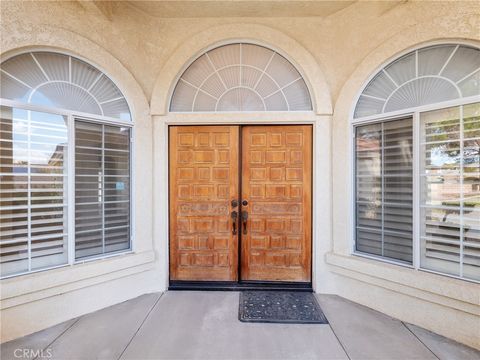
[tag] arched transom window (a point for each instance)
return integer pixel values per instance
(240, 77)
(61, 81)
(426, 76)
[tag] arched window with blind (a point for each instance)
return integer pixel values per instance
(65, 132)
(417, 161)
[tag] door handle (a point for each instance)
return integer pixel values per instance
(234, 216)
(244, 221)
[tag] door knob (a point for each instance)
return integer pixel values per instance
(234, 216)
(244, 221)
(234, 203)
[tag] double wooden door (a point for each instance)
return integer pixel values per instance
(240, 203)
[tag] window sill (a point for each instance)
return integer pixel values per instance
(455, 293)
(102, 257)
(40, 285)
(384, 260)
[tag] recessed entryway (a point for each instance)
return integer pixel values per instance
(240, 203)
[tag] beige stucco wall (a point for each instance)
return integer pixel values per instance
(144, 55)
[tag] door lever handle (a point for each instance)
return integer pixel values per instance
(244, 221)
(234, 216)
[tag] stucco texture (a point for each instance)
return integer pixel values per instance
(144, 52)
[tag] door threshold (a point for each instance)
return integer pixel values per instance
(239, 286)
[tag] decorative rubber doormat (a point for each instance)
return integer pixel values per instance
(280, 307)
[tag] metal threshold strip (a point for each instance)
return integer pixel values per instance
(238, 286)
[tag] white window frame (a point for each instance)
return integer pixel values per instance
(415, 114)
(99, 119)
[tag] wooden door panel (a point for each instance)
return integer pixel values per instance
(276, 182)
(203, 181)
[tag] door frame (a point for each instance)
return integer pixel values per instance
(241, 284)
(321, 179)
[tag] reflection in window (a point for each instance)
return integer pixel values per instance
(33, 189)
(450, 191)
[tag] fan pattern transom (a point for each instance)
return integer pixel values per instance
(61, 81)
(240, 77)
(425, 76)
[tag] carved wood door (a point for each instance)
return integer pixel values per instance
(269, 178)
(203, 181)
(276, 183)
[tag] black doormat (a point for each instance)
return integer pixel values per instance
(280, 307)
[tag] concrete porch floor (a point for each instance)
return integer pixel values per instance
(205, 325)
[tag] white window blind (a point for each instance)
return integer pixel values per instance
(102, 189)
(384, 189)
(450, 196)
(33, 190)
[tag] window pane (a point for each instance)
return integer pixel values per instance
(102, 193)
(117, 188)
(33, 189)
(384, 189)
(471, 191)
(88, 189)
(450, 194)
(369, 189)
(441, 190)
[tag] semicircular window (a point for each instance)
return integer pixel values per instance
(240, 77)
(61, 81)
(426, 76)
